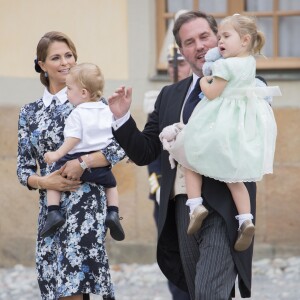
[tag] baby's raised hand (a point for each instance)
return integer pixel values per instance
(51, 157)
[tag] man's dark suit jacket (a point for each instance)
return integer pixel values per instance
(142, 148)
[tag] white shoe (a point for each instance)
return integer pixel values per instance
(196, 219)
(245, 236)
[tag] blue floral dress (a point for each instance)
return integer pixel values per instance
(74, 259)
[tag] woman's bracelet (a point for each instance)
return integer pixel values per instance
(88, 160)
(82, 163)
(37, 183)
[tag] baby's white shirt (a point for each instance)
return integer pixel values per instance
(90, 122)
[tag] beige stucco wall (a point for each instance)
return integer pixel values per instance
(93, 25)
(119, 36)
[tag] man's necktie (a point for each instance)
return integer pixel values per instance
(191, 102)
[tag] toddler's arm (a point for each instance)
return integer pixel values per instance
(212, 88)
(68, 145)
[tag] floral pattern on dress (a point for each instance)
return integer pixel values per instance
(74, 259)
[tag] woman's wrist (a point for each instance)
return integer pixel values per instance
(83, 163)
(40, 183)
(95, 160)
(87, 159)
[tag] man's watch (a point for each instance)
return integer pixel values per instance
(83, 165)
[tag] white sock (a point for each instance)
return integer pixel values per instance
(243, 217)
(193, 203)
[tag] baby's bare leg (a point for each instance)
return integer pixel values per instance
(193, 182)
(112, 196)
(240, 197)
(53, 197)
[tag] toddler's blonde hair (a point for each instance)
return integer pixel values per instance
(246, 25)
(89, 77)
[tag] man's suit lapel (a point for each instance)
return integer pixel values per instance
(176, 100)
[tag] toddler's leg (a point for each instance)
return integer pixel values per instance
(198, 212)
(54, 218)
(246, 229)
(112, 220)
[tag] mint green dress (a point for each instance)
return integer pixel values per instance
(232, 137)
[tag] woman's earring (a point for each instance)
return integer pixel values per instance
(46, 74)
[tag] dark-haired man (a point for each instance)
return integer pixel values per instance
(205, 263)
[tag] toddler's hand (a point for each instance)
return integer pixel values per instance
(51, 157)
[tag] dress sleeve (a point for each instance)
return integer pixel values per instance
(113, 152)
(220, 69)
(26, 159)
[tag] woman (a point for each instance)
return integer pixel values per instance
(72, 262)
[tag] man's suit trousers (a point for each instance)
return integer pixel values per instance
(207, 261)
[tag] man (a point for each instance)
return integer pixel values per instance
(204, 263)
(154, 168)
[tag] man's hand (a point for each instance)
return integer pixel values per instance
(119, 102)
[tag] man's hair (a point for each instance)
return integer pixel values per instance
(191, 15)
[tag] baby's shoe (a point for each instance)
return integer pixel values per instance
(112, 221)
(245, 236)
(53, 221)
(196, 219)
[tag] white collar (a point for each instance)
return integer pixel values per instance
(93, 104)
(61, 96)
(195, 78)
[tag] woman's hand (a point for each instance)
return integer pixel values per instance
(55, 181)
(72, 170)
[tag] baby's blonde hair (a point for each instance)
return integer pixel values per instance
(89, 77)
(246, 25)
